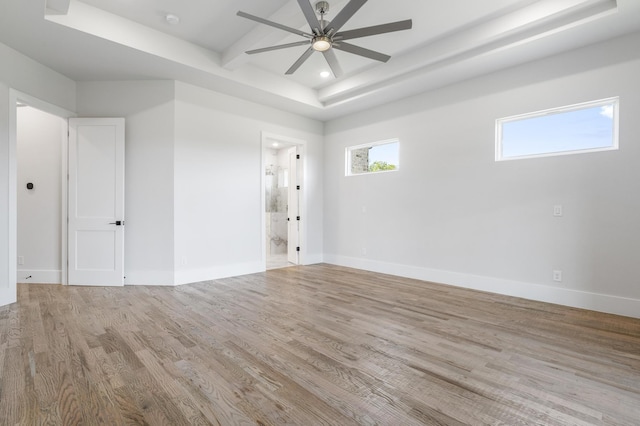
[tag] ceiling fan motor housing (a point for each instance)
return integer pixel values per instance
(322, 7)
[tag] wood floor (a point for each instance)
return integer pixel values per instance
(311, 345)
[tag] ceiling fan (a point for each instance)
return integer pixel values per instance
(326, 36)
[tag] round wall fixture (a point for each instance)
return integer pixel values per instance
(172, 19)
(29, 185)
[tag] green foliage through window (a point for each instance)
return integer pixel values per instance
(379, 166)
(374, 157)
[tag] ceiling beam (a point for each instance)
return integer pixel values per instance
(263, 36)
(57, 7)
(516, 27)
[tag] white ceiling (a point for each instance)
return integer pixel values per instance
(450, 41)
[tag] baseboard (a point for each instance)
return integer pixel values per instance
(188, 276)
(7, 298)
(312, 259)
(159, 278)
(39, 276)
(539, 292)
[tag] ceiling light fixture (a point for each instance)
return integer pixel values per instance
(172, 19)
(321, 43)
(325, 74)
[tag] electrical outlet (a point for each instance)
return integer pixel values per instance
(183, 261)
(364, 251)
(20, 260)
(557, 211)
(557, 276)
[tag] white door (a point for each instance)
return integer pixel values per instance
(96, 201)
(293, 213)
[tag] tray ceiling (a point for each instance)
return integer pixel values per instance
(449, 41)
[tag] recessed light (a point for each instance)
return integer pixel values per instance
(172, 19)
(276, 144)
(325, 74)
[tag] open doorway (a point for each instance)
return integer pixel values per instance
(40, 195)
(282, 177)
(9, 294)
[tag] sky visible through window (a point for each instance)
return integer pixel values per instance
(387, 152)
(583, 129)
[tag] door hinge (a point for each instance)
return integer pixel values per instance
(298, 187)
(297, 248)
(297, 217)
(297, 156)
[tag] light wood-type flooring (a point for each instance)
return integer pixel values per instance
(309, 346)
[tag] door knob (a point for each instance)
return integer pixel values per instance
(117, 222)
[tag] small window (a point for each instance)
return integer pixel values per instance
(373, 157)
(587, 127)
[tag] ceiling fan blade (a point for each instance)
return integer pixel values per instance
(357, 50)
(310, 15)
(300, 61)
(281, 46)
(274, 24)
(344, 15)
(376, 29)
(332, 60)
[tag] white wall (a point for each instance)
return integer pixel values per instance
(454, 215)
(40, 138)
(193, 178)
(218, 183)
(148, 109)
(28, 77)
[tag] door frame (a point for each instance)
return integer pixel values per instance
(16, 96)
(293, 193)
(267, 140)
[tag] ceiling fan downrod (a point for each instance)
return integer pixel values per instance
(321, 41)
(322, 8)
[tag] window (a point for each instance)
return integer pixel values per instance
(373, 157)
(586, 127)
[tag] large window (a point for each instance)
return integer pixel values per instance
(586, 127)
(373, 157)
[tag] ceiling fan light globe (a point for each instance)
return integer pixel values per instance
(321, 44)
